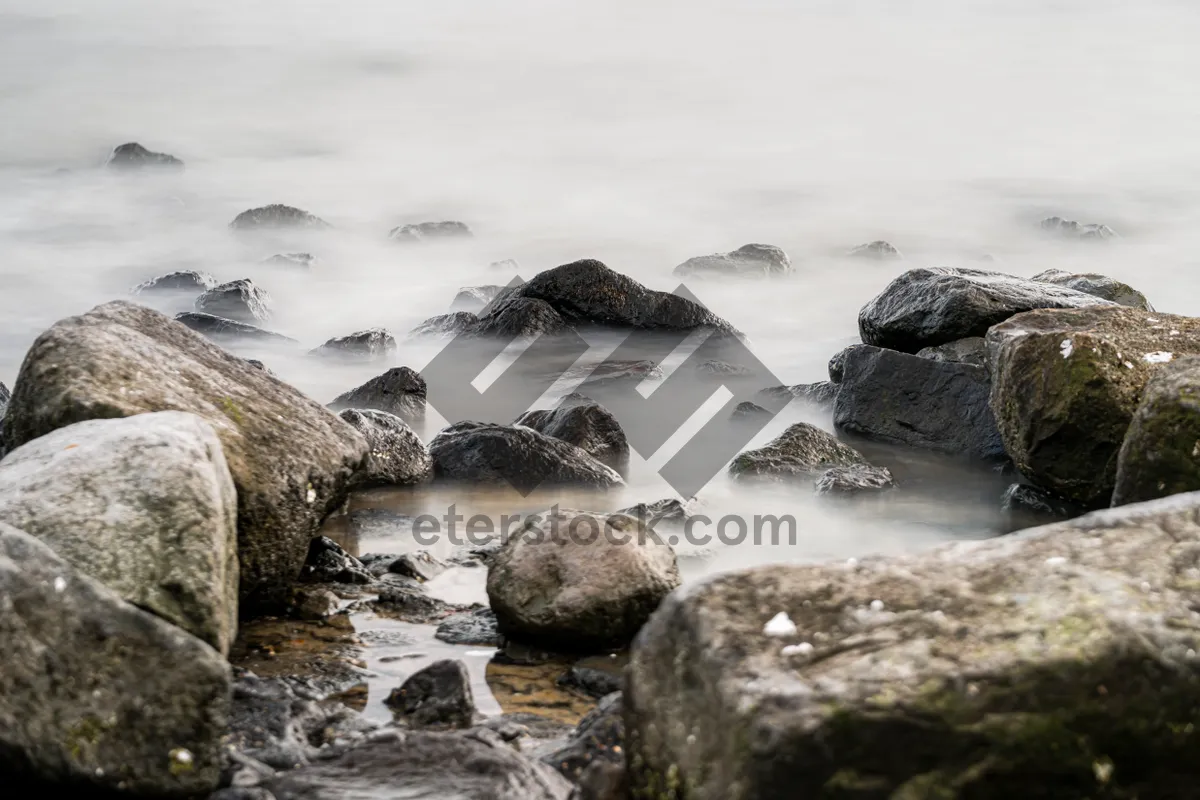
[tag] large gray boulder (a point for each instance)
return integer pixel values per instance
(578, 581)
(803, 452)
(589, 426)
(145, 505)
(396, 455)
(400, 391)
(184, 281)
(1059, 662)
(932, 306)
(292, 460)
(240, 300)
(1066, 383)
(749, 260)
(374, 343)
(96, 693)
(1099, 285)
(905, 399)
(1158, 456)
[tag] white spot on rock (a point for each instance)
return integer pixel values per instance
(60, 584)
(1160, 357)
(1055, 561)
(802, 649)
(780, 625)
(1174, 333)
(1066, 347)
(182, 755)
(311, 496)
(877, 605)
(1129, 365)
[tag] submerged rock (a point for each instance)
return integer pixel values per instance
(220, 329)
(589, 427)
(422, 231)
(177, 282)
(1074, 230)
(821, 394)
(478, 627)
(437, 696)
(592, 682)
(749, 260)
(296, 260)
(133, 156)
(971, 351)
(445, 325)
(328, 562)
(374, 343)
(396, 456)
(1158, 456)
(878, 250)
(1099, 285)
(400, 391)
(475, 298)
(276, 216)
(1066, 384)
(240, 300)
(749, 411)
(723, 369)
(858, 479)
(929, 307)
(1027, 499)
(802, 451)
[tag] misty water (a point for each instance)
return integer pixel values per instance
(638, 133)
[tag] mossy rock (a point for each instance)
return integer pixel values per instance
(1161, 452)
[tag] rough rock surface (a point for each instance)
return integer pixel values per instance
(972, 350)
(292, 461)
(5, 396)
(1159, 455)
(422, 231)
(369, 344)
(749, 411)
(904, 399)
(1058, 663)
(1070, 229)
(328, 562)
(519, 316)
(145, 505)
(878, 250)
(481, 452)
(802, 451)
(220, 329)
(590, 681)
(579, 581)
(133, 156)
(821, 393)
(1099, 285)
(837, 363)
(749, 260)
(395, 454)
(589, 427)
(1066, 384)
(443, 325)
(475, 298)
(296, 260)
(240, 300)
(95, 693)
(276, 216)
(476, 627)
(183, 281)
(928, 307)
(400, 391)
(600, 736)
(1024, 498)
(437, 695)
(859, 479)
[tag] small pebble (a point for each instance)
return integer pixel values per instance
(877, 605)
(802, 649)
(780, 625)
(1055, 561)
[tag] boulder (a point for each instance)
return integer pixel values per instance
(1070, 229)
(1054, 663)
(291, 260)
(928, 307)
(476, 627)
(395, 454)
(972, 350)
(220, 329)
(313, 603)
(878, 250)
(802, 451)
(177, 282)
(518, 316)
(418, 565)
(437, 696)
(328, 562)
(133, 156)
(475, 298)
(589, 427)
(904, 399)
(445, 325)
(292, 461)
(1066, 384)
(423, 231)
(578, 581)
(486, 453)
(858, 479)
(820, 394)
(600, 736)
(276, 216)
(96, 694)
(400, 391)
(723, 369)
(1099, 285)
(593, 682)
(240, 300)
(1158, 456)
(750, 411)
(749, 260)
(375, 343)
(837, 363)
(145, 505)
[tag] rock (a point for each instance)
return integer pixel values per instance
(471, 765)
(904, 399)
(254, 362)
(579, 581)
(837, 364)
(821, 393)
(410, 604)
(509, 264)
(327, 562)
(369, 344)
(241, 301)
(419, 565)
(145, 505)
(928, 307)
(972, 351)
(1098, 285)
(592, 682)
(859, 479)
(312, 603)
(723, 369)
(878, 250)
(802, 451)
(5, 396)
(292, 461)
(600, 736)
(757, 260)
(220, 329)
(133, 156)
(296, 260)
(1158, 454)
(606, 372)
(438, 695)
(661, 514)
(971, 671)
(443, 325)
(400, 391)
(96, 693)
(750, 411)
(518, 316)
(1070, 229)
(475, 298)
(601, 780)
(276, 216)
(486, 453)
(430, 230)
(476, 627)
(589, 427)
(183, 281)
(1023, 498)
(1066, 384)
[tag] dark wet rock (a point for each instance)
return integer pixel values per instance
(821, 394)
(276, 216)
(328, 562)
(589, 427)
(602, 780)
(878, 250)
(1159, 455)
(802, 451)
(419, 565)
(592, 682)
(482, 452)
(133, 156)
(723, 369)
(519, 316)
(1066, 384)
(1027, 499)
(314, 603)
(971, 671)
(96, 694)
(220, 329)
(5, 396)
(859, 479)
(476, 627)
(437, 696)
(1069, 229)
(972, 351)
(254, 362)
(608, 372)
(579, 581)
(600, 736)
(374, 343)
(928, 307)
(240, 300)
(475, 298)
(145, 505)
(411, 604)
(294, 260)
(177, 282)
(1099, 285)
(400, 391)
(660, 515)
(453, 324)
(749, 411)
(395, 454)
(837, 363)
(899, 398)
(470, 765)
(292, 461)
(749, 260)
(423, 231)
